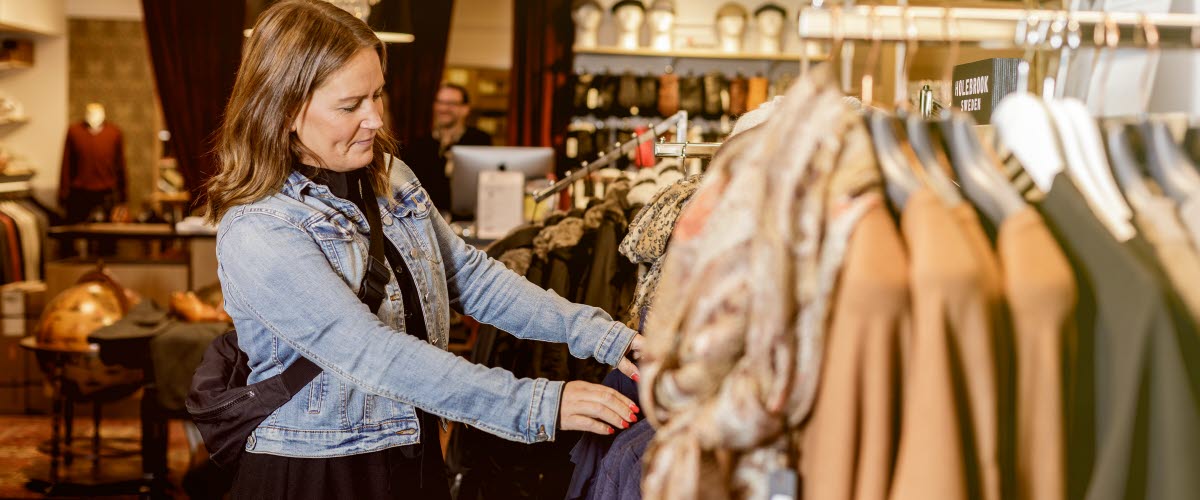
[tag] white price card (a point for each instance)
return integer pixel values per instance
(500, 205)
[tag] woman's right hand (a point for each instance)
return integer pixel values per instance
(594, 408)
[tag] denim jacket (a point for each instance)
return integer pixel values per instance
(290, 267)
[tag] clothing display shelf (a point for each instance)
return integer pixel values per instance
(678, 120)
(814, 54)
(14, 120)
(15, 183)
(990, 28)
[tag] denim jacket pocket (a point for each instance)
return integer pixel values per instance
(412, 212)
(346, 252)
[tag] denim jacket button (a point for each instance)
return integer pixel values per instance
(413, 252)
(250, 441)
(387, 219)
(406, 432)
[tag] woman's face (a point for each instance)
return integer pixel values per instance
(338, 124)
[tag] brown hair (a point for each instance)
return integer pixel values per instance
(295, 47)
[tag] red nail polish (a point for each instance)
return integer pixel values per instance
(624, 425)
(632, 417)
(635, 408)
(635, 378)
(610, 430)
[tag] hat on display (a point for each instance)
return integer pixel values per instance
(731, 9)
(579, 4)
(770, 6)
(624, 3)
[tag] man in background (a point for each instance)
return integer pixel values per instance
(429, 157)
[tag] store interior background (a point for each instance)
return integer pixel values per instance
(97, 51)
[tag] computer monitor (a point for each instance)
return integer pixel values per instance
(535, 163)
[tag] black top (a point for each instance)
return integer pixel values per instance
(339, 185)
(1138, 354)
(427, 159)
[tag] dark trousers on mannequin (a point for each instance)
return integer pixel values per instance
(80, 205)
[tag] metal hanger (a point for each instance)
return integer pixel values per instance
(899, 180)
(1168, 164)
(1023, 124)
(913, 132)
(1084, 152)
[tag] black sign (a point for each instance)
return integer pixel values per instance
(979, 86)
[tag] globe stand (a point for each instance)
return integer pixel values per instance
(63, 475)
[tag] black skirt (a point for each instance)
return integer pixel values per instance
(402, 472)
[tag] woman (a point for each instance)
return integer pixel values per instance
(302, 128)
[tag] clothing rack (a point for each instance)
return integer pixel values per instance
(992, 28)
(679, 119)
(685, 149)
(989, 28)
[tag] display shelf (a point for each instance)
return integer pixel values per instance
(14, 120)
(7, 65)
(698, 54)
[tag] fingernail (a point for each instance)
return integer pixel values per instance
(635, 408)
(635, 377)
(610, 430)
(632, 417)
(624, 425)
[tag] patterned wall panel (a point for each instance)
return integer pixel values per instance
(110, 64)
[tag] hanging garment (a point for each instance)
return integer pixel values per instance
(646, 241)
(1189, 214)
(950, 305)
(756, 92)
(608, 282)
(591, 449)
(6, 266)
(1041, 292)
(620, 474)
(988, 353)
(849, 440)
(1157, 220)
(1142, 343)
(648, 96)
(16, 267)
(628, 94)
(716, 95)
(691, 95)
(731, 362)
(737, 95)
(668, 94)
(583, 84)
(30, 236)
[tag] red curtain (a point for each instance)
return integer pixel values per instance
(195, 48)
(539, 103)
(414, 70)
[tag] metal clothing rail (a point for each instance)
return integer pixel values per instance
(685, 149)
(619, 149)
(989, 28)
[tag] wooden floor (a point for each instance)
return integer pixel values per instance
(21, 460)
(24, 442)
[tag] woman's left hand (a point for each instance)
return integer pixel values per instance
(635, 353)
